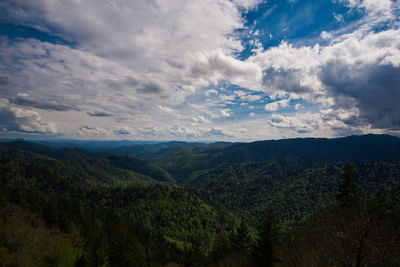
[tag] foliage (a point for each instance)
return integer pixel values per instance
(69, 207)
(265, 251)
(347, 192)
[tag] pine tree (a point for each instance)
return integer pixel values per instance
(242, 239)
(265, 250)
(125, 248)
(221, 247)
(347, 192)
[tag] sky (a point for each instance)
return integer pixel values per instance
(198, 70)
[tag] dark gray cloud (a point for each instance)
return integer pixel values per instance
(122, 131)
(374, 90)
(4, 80)
(123, 83)
(288, 80)
(99, 114)
(45, 104)
(218, 132)
(150, 88)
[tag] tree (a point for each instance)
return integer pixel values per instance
(221, 247)
(242, 239)
(125, 248)
(347, 192)
(265, 250)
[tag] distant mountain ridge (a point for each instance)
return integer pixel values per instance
(355, 149)
(79, 162)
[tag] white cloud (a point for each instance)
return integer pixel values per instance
(376, 7)
(187, 51)
(86, 130)
(134, 60)
(225, 113)
(132, 63)
(211, 92)
(200, 119)
(299, 106)
(217, 131)
(15, 119)
(212, 67)
(165, 109)
(250, 98)
(225, 98)
(326, 35)
(338, 17)
(356, 72)
(274, 106)
(298, 124)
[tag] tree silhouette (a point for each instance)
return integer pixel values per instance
(265, 250)
(347, 192)
(242, 240)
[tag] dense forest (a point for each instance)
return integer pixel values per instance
(295, 202)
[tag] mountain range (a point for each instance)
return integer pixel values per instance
(187, 191)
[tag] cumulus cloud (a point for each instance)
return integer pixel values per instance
(188, 50)
(211, 92)
(373, 90)
(375, 7)
(224, 113)
(326, 35)
(298, 124)
(274, 106)
(216, 66)
(136, 62)
(15, 119)
(250, 98)
(85, 130)
(207, 133)
(219, 132)
(200, 119)
(356, 73)
(128, 57)
(299, 106)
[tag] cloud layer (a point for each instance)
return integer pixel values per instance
(175, 70)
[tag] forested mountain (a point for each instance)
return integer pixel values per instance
(317, 152)
(293, 195)
(196, 204)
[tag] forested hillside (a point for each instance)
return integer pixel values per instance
(296, 153)
(258, 204)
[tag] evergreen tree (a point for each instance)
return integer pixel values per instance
(242, 240)
(125, 248)
(195, 255)
(265, 250)
(347, 192)
(221, 247)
